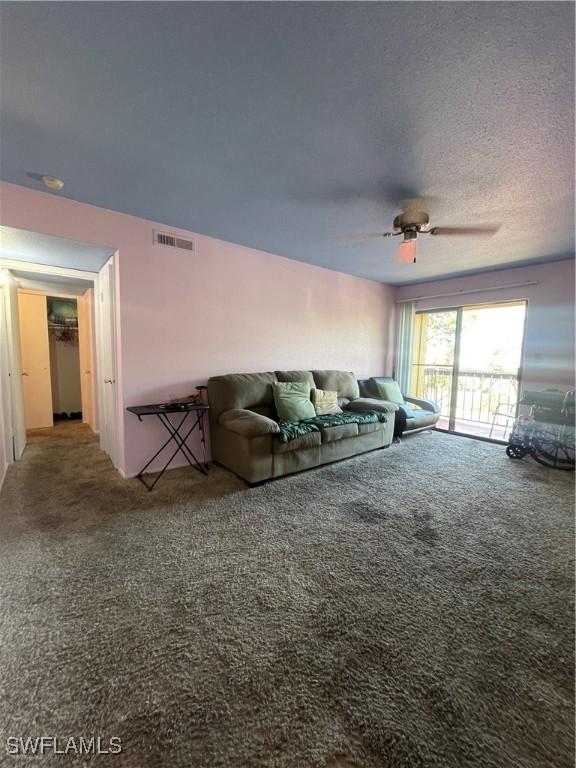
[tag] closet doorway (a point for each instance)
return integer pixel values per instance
(57, 351)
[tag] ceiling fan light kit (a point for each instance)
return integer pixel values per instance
(407, 252)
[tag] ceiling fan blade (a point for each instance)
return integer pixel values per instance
(481, 231)
(362, 237)
(407, 252)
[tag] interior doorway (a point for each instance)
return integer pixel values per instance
(468, 359)
(57, 344)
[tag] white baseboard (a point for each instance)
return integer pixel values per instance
(126, 475)
(176, 465)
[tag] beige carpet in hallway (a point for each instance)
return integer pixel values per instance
(62, 430)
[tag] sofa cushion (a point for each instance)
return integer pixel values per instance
(310, 440)
(240, 390)
(325, 402)
(344, 382)
(247, 423)
(329, 434)
(296, 376)
(406, 410)
(364, 429)
(292, 399)
(422, 419)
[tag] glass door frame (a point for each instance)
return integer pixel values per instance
(455, 370)
(454, 367)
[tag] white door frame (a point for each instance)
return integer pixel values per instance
(86, 349)
(111, 447)
(106, 359)
(12, 387)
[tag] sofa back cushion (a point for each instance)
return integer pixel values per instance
(296, 376)
(252, 391)
(343, 382)
(367, 388)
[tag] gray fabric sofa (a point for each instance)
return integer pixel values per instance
(424, 415)
(243, 424)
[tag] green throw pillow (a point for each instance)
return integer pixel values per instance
(292, 399)
(389, 390)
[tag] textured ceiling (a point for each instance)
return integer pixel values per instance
(285, 126)
(20, 245)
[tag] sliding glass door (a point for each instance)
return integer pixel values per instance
(433, 358)
(468, 360)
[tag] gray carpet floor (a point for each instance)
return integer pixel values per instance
(409, 608)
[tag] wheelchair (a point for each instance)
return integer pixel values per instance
(548, 433)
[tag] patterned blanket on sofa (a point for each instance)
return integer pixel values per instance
(290, 430)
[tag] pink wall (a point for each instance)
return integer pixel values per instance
(549, 331)
(185, 317)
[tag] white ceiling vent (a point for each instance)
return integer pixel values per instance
(172, 241)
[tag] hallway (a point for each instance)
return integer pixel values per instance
(62, 430)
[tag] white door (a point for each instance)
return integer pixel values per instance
(16, 420)
(106, 358)
(34, 345)
(6, 402)
(14, 431)
(85, 350)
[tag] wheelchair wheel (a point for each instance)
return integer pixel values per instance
(516, 451)
(551, 448)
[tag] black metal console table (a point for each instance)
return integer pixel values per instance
(192, 418)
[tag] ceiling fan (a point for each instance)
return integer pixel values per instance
(413, 222)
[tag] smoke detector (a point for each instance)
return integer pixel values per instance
(52, 182)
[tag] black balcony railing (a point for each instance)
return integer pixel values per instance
(478, 393)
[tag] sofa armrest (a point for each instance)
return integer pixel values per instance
(427, 405)
(371, 404)
(247, 423)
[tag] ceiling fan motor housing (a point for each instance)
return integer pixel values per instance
(409, 223)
